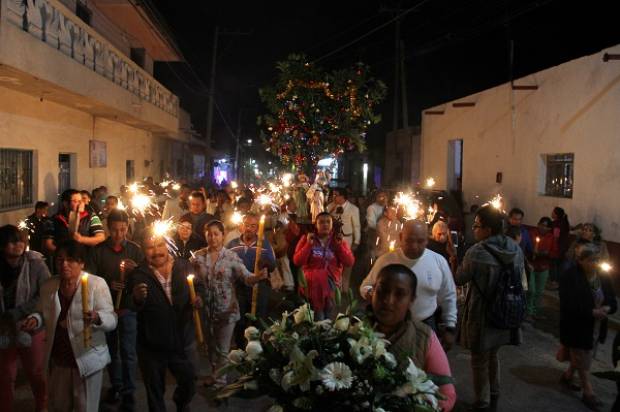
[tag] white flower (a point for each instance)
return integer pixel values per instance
(337, 376)
(342, 323)
(275, 375)
(360, 349)
(303, 314)
(275, 408)
(253, 349)
(287, 380)
(251, 333)
(237, 356)
(390, 360)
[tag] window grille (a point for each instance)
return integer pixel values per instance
(16, 182)
(559, 175)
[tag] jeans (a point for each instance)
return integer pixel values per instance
(122, 347)
(68, 391)
(485, 371)
(32, 362)
(153, 366)
(219, 335)
(536, 286)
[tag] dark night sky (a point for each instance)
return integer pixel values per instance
(453, 48)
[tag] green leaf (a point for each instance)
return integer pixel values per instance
(337, 296)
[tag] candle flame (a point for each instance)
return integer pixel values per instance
(537, 239)
(262, 220)
(430, 182)
(190, 277)
(392, 244)
(234, 184)
(85, 277)
(605, 267)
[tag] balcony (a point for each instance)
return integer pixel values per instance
(47, 51)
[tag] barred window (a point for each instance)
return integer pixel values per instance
(559, 175)
(15, 179)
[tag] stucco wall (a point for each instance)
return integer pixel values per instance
(574, 110)
(49, 129)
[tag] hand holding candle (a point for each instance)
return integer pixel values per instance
(86, 309)
(197, 323)
(119, 293)
(537, 243)
(259, 245)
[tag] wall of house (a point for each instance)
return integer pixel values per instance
(574, 110)
(49, 129)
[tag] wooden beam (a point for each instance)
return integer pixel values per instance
(434, 112)
(607, 57)
(524, 87)
(464, 104)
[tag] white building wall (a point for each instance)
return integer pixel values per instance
(49, 128)
(575, 110)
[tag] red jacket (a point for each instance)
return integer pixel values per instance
(546, 248)
(320, 265)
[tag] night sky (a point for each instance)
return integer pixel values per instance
(452, 48)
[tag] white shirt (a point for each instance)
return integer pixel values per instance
(373, 214)
(435, 284)
(351, 227)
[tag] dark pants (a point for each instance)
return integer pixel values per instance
(153, 366)
(244, 296)
(122, 347)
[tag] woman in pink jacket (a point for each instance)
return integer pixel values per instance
(322, 257)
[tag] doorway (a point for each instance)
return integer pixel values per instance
(455, 165)
(64, 172)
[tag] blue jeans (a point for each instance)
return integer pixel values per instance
(122, 347)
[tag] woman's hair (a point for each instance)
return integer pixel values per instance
(215, 223)
(595, 229)
(10, 234)
(491, 218)
(396, 269)
(545, 220)
(73, 250)
(586, 250)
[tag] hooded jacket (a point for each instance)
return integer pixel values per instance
(480, 270)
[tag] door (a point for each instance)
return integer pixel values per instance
(64, 172)
(455, 165)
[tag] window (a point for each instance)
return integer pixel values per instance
(83, 12)
(559, 174)
(15, 179)
(129, 171)
(138, 56)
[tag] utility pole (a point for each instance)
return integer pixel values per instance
(396, 74)
(211, 88)
(403, 83)
(237, 148)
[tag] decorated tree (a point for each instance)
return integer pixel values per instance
(314, 113)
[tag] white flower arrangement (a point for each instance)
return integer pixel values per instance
(345, 364)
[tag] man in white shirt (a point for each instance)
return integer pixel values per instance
(349, 215)
(375, 211)
(435, 283)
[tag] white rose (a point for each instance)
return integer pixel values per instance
(303, 314)
(251, 333)
(342, 323)
(253, 349)
(236, 356)
(390, 360)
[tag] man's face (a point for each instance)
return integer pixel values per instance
(382, 199)
(75, 201)
(156, 251)
(185, 192)
(440, 234)
(390, 213)
(324, 225)
(14, 249)
(339, 199)
(42, 212)
(413, 241)
(249, 227)
(110, 204)
(515, 219)
(196, 205)
(118, 231)
(480, 233)
(85, 199)
(184, 229)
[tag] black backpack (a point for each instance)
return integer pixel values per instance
(506, 308)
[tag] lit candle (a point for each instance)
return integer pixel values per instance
(605, 267)
(85, 308)
(119, 294)
(259, 247)
(392, 245)
(430, 182)
(192, 297)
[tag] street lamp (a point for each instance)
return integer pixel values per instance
(249, 141)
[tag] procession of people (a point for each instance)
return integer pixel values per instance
(159, 277)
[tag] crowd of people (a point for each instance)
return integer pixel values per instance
(425, 292)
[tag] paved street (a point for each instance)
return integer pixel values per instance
(529, 377)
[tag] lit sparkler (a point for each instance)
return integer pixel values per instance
(496, 202)
(140, 202)
(134, 187)
(161, 228)
(264, 199)
(409, 203)
(176, 186)
(605, 267)
(165, 183)
(22, 225)
(234, 184)
(430, 182)
(287, 178)
(236, 218)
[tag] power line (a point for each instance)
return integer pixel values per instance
(387, 23)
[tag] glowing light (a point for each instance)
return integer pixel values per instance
(134, 187)
(605, 266)
(264, 200)
(165, 183)
(161, 228)
(22, 225)
(234, 184)
(430, 182)
(409, 204)
(496, 202)
(287, 179)
(236, 218)
(176, 186)
(392, 244)
(121, 205)
(140, 202)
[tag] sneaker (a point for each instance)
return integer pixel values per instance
(569, 384)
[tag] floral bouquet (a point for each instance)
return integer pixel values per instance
(306, 365)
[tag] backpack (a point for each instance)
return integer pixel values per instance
(506, 308)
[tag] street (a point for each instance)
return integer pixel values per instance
(529, 377)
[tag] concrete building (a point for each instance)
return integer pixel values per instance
(545, 140)
(79, 106)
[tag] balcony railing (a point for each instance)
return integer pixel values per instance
(52, 23)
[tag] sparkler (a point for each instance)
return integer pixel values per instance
(140, 202)
(264, 199)
(22, 225)
(234, 184)
(236, 218)
(165, 183)
(287, 178)
(134, 187)
(430, 182)
(161, 228)
(409, 203)
(496, 202)
(605, 267)
(176, 186)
